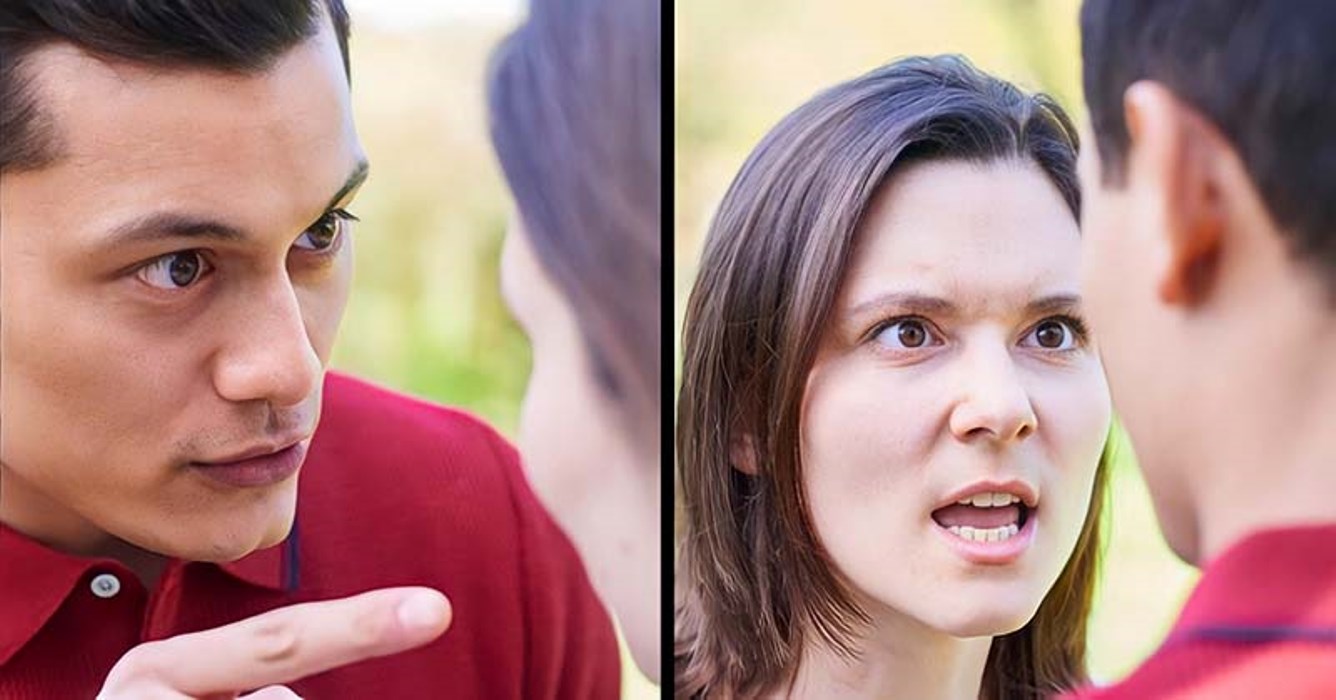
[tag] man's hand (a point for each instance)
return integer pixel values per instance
(279, 646)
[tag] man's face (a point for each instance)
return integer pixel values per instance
(170, 292)
(1150, 367)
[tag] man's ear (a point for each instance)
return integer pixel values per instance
(1173, 159)
(742, 453)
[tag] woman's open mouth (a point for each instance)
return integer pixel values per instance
(987, 527)
(984, 517)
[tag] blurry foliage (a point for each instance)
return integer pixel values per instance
(740, 66)
(426, 314)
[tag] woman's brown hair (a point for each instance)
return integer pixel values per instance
(754, 582)
(574, 103)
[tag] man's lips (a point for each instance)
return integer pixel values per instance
(256, 466)
(263, 450)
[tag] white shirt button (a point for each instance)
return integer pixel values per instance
(105, 585)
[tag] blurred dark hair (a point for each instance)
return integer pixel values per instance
(574, 96)
(755, 582)
(1261, 72)
(242, 36)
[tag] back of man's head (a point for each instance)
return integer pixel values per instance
(1264, 73)
(241, 36)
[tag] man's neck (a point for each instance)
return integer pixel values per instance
(29, 511)
(899, 660)
(1284, 493)
(1272, 464)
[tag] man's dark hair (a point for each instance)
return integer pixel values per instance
(1261, 72)
(242, 36)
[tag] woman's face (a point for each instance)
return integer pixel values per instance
(956, 412)
(579, 458)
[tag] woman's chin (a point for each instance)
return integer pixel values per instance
(989, 624)
(985, 616)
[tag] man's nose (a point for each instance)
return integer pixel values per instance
(269, 355)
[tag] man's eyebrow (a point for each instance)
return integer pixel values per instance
(355, 180)
(174, 224)
(171, 224)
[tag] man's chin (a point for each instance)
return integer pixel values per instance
(230, 550)
(233, 541)
(1181, 539)
(274, 538)
(271, 537)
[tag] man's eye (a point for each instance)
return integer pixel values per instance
(325, 233)
(175, 271)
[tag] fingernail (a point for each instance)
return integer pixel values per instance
(422, 611)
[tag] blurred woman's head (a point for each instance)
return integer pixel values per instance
(891, 414)
(574, 97)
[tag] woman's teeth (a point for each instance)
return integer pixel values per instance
(993, 534)
(990, 500)
(989, 516)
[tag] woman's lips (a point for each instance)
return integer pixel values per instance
(262, 470)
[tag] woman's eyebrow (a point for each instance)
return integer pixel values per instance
(1053, 303)
(928, 305)
(909, 302)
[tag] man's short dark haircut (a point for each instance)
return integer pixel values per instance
(1264, 73)
(242, 36)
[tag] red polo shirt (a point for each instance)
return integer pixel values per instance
(394, 492)
(1260, 624)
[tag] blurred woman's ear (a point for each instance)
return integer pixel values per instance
(742, 454)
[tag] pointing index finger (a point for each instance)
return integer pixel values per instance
(290, 643)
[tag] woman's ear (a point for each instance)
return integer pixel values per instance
(1173, 157)
(742, 454)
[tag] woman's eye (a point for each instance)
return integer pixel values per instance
(906, 334)
(175, 271)
(325, 233)
(1053, 334)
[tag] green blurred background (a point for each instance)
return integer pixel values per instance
(741, 65)
(426, 315)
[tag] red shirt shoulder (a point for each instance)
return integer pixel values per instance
(399, 491)
(1228, 671)
(1261, 623)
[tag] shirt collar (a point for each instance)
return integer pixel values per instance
(264, 568)
(1285, 576)
(35, 580)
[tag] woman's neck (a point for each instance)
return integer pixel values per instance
(898, 660)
